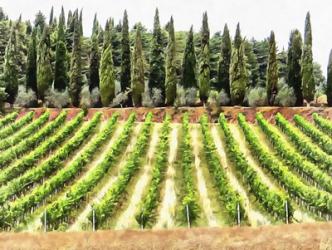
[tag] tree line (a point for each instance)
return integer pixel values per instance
(51, 63)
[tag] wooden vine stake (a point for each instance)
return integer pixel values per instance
(93, 219)
(188, 216)
(286, 211)
(238, 214)
(45, 221)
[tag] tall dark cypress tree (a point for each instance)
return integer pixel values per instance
(272, 71)
(76, 66)
(125, 77)
(157, 61)
(308, 81)
(225, 62)
(94, 58)
(294, 65)
(170, 78)
(188, 79)
(137, 71)
(204, 69)
(329, 81)
(62, 17)
(50, 22)
(9, 78)
(61, 61)
(40, 22)
(31, 73)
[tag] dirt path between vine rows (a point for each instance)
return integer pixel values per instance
(167, 211)
(127, 217)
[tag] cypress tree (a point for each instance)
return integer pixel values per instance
(170, 78)
(272, 71)
(329, 81)
(204, 72)
(188, 79)
(94, 63)
(40, 22)
(62, 18)
(238, 70)
(125, 77)
(308, 81)
(137, 71)
(224, 63)
(157, 61)
(61, 61)
(106, 72)
(50, 22)
(44, 66)
(31, 74)
(75, 78)
(4, 38)
(294, 65)
(10, 68)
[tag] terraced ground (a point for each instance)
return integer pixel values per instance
(62, 170)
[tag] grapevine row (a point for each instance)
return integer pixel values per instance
(318, 199)
(52, 164)
(19, 149)
(230, 198)
(272, 201)
(8, 119)
(315, 134)
(304, 145)
(296, 161)
(49, 144)
(189, 200)
(25, 132)
(20, 206)
(148, 205)
(108, 203)
(60, 210)
(324, 124)
(12, 128)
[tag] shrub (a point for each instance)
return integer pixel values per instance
(95, 97)
(186, 97)
(286, 96)
(85, 101)
(25, 97)
(218, 98)
(257, 97)
(57, 99)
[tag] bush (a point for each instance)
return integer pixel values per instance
(25, 98)
(95, 97)
(257, 97)
(119, 99)
(146, 98)
(85, 101)
(218, 98)
(186, 97)
(57, 99)
(286, 96)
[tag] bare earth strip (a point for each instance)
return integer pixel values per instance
(255, 217)
(167, 211)
(127, 217)
(296, 236)
(201, 184)
(82, 217)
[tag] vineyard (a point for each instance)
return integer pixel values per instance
(71, 170)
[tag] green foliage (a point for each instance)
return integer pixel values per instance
(272, 71)
(75, 77)
(8, 119)
(147, 208)
(125, 77)
(61, 60)
(65, 175)
(157, 60)
(12, 128)
(308, 81)
(294, 65)
(261, 50)
(229, 198)
(106, 75)
(204, 69)
(188, 79)
(137, 71)
(31, 73)
(171, 76)
(44, 66)
(238, 74)
(94, 63)
(224, 63)
(252, 64)
(189, 195)
(257, 97)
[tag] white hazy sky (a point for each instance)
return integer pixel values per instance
(257, 17)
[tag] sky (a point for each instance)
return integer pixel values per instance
(257, 17)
